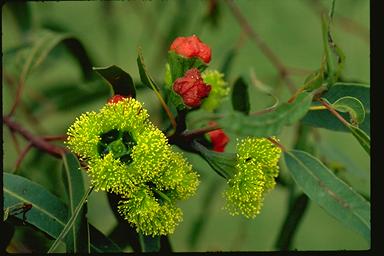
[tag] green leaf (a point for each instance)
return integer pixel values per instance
(77, 239)
(324, 119)
(240, 96)
(149, 243)
(22, 13)
(68, 226)
(222, 163)
(331, 193)
(362, 137)
(268, 124)
(353, 107)
(48, 213)
(68, 96)
(144, 75)
(42, 44)
(147, 80)
(179, 64)
(120, 80)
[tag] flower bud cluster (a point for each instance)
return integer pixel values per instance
(129, 156)
(193, 87)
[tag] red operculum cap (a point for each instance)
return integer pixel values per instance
(218, 139)
(116, 98)
(191, 88)
(191, 47)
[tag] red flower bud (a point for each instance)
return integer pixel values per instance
(191, 47)
(116, 98)
(218, 139)
(191, 88)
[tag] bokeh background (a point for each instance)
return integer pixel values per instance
(111, 32)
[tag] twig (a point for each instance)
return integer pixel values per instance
(334, 112)
(19, 89)
(55, 137)
(263, 111)
(15, 142)
(298, 71)
(22, 156)
(265, 49)
(35, 141)
(29, 146)
(198, 132)
(11, 83)
(277, 143)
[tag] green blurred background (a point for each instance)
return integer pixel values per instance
(111, 32)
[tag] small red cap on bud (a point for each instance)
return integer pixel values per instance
(218, 139)
(191, 88)
(191, 47)
(116, 98)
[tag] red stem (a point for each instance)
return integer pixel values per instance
(55, 137)
(334, 112)
(277, 143)
(35, 141)
(198, 132)
(22, 156)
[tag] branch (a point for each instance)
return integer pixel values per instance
(277, 143)
(265, 49)
(22, 156)
(199, 132)
(35, 141)
(19, 89)
(334, 112)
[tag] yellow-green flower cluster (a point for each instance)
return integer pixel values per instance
(129, 156)
(256, 170)
(219, 89)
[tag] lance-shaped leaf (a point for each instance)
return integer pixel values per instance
(362, 138)
(331, 193)
(71, 221)
(222, 163)
(77, 239)
(240, 96)
(147, 80)
(144, 75)
(120, 80)
(352, 106)
(268, 124)
(64, 96)
(48, 213)
(22, 14)
(41, 44)
(324, 119)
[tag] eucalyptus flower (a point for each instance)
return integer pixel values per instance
(256, 170)
(127, 155)
(150, 215)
